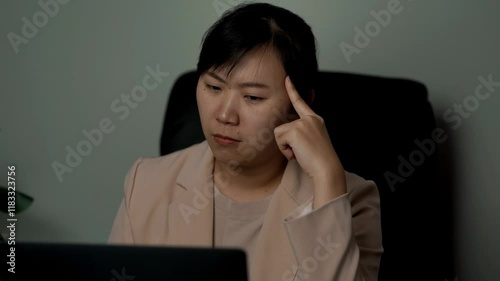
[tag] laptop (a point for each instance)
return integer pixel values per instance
(64, 261)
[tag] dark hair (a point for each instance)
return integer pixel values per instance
(247, 27)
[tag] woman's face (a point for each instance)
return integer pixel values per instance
(239, 112)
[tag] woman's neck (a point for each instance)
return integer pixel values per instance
(251, 182)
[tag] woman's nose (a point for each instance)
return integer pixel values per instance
(228, 111)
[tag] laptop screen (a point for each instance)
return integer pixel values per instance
(62, 261)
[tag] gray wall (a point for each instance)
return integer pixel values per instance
(65, 78)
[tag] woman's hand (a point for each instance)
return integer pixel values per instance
(306, 140)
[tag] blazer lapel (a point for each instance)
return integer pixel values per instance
(190, 215)
(274, 258)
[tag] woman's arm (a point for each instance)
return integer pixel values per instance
(341, 240)
(121, 232)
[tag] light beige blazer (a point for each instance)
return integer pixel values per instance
(167, 201)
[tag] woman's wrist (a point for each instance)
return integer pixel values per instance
(328, 187)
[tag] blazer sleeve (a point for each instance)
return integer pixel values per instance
(341, 240)
(121, 232)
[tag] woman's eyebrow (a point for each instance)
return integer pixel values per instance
(253, 85)
(241, 85)
(215, 76)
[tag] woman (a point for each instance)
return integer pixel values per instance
(267, 178)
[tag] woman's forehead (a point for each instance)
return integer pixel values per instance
(257, 66)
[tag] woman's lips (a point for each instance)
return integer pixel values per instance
(225, 140)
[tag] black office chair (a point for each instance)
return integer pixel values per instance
(373, 123)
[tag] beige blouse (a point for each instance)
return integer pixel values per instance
(238, 224)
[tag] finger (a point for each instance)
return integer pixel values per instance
(280, 133)
(298, 103)
(288, 152)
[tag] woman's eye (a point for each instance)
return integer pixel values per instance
(253, 98)
(213, 88)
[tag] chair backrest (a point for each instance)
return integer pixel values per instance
(382, 129)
